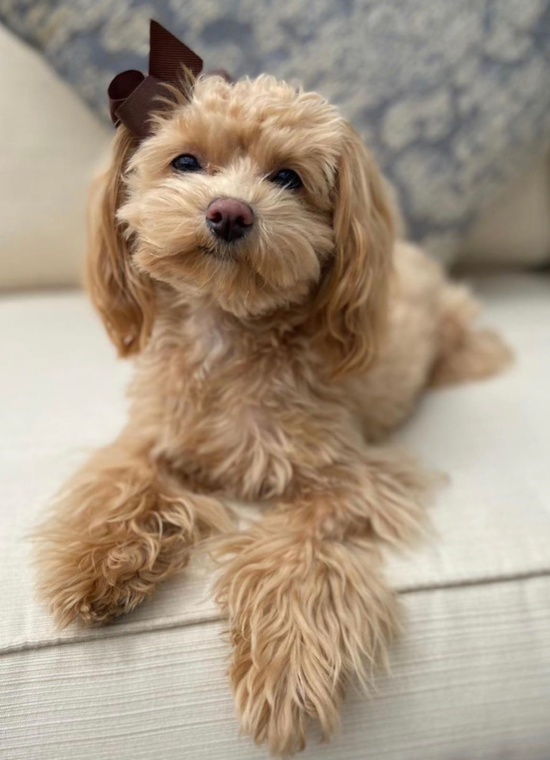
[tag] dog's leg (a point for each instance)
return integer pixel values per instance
(465, 352)
(120, 526)
(306, 600)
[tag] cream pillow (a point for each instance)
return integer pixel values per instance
(515, 229)
(50, 146)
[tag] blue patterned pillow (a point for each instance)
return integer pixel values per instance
(453, 97)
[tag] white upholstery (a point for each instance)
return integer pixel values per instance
(50, 145)
(471, 675)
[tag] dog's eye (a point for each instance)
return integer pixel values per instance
(186, 163)
(287, 178)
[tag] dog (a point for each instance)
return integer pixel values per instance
(245, 254)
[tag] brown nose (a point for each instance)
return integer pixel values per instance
(229, 218)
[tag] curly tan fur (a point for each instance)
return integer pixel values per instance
(123, 296)
(264, 372)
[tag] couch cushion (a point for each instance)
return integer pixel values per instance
(61, 393)
(470, 681)
(51, 146)
(452, 97)
(515, 229)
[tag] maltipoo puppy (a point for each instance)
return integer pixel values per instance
(244, 253)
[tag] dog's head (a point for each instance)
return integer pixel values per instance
(253, 196)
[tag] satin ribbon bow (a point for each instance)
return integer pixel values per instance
(133, 96)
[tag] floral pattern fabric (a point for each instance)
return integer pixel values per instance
(452, 97)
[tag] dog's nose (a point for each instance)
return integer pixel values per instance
(229, 218)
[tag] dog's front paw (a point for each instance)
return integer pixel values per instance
(95, 582)
(304, 616)
(112, 537)
(96, 572)
(91, 598)
(286, 667)
(281, 682)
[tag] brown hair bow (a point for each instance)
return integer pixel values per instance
(132, 94)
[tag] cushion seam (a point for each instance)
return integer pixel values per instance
(111, 633)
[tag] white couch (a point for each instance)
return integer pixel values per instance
(471, 674)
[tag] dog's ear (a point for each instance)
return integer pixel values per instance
(123, 296)
(351, 304)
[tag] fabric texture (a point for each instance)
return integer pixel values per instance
(470, 680)
(50, 146)
(452, 97)
(471, 675)
(515, 229)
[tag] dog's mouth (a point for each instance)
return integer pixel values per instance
(220, 252)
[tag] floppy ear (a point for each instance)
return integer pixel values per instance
(351, 304)
(123, 296)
